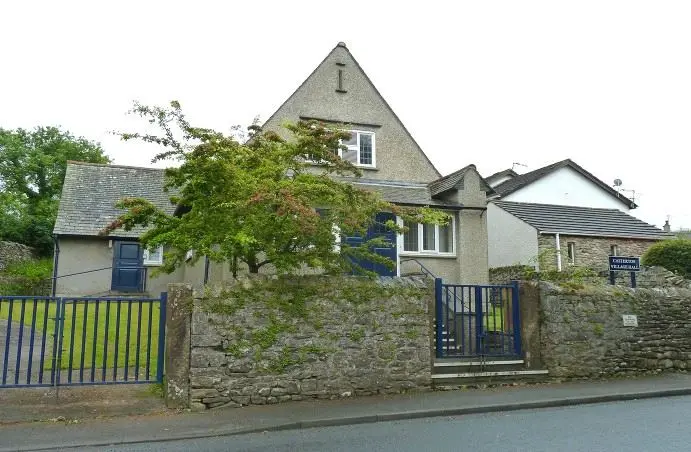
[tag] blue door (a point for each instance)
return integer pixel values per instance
(127, 267)
(379, 229)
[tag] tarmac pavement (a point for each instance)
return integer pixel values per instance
(74, 432)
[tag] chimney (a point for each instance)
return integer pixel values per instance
(667, 227)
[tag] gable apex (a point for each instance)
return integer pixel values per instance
(520, 181)
(339, 91)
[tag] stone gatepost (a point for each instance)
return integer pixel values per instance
(178, 345)
(529, 306)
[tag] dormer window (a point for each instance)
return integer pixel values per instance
(360, 148)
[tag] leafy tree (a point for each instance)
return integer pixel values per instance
(32, 171)
(259, 202)
(674, 255)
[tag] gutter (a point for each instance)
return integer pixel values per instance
(607, 236)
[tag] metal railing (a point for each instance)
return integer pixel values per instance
(93, 340)
(477, 320)
(424, 269)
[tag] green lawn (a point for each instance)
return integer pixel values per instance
(87, 342)
(496, 319)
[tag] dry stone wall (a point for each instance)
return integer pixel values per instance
(351, 337)
(11, 252)
(582, 331)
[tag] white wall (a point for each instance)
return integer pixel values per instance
(510, 240)
(566, 186)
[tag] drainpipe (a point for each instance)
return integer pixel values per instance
(206, 270)
(558, 253)
(56, 255)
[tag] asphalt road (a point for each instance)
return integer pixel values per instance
(644, 425)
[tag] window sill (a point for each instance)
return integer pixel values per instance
(433, 255)
(362, 167)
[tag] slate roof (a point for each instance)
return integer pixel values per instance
(522, 180)
(404, 193)
(586, 221)
(91, 190)
(500, 174)
(450, 181)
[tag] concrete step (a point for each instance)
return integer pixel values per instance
(466, 371)
(489, 377)
(465, 365)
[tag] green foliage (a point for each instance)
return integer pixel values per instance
(356, 334)
(32, 171)
(674, 255)
(571, 276)
(30, 277)
(262, 201)
(599, 329)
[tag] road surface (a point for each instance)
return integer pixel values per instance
(644, 425)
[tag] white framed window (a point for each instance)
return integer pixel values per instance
(360, 149)
(571, 252)
(153, 256)
(422, 238)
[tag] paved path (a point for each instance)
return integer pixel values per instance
(26, 352)
(657, 425)
(299, 415)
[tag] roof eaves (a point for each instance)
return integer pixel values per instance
(604, 235)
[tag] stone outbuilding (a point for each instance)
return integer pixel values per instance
(549, 236)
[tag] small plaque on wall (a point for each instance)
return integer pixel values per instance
(630, 320)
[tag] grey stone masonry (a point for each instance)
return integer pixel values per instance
(583, 333)
(590, 252)
(12, 253)
(348, 341)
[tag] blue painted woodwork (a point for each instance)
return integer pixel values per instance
(128, 270)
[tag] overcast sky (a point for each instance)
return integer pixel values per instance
(606, 83)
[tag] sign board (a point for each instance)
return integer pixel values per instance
(625, 264)
(630, 320)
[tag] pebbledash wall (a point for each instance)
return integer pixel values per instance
(260, 342)
(582, 332)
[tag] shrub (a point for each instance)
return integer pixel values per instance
(674, 255)
(30, 277)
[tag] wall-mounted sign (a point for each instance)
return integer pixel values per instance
(625, 264)
(630, 320)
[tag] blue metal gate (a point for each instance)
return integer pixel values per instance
(61, 341)
(477, 320)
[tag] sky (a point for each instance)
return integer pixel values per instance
(605, 83)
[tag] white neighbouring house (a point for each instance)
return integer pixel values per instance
(562, 183)
(564, 212)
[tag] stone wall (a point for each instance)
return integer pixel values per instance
(582, 333)
(648, 277)
(11, 252)
(590, 252)
(651, 277)
(259, 341)
(504, 275)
